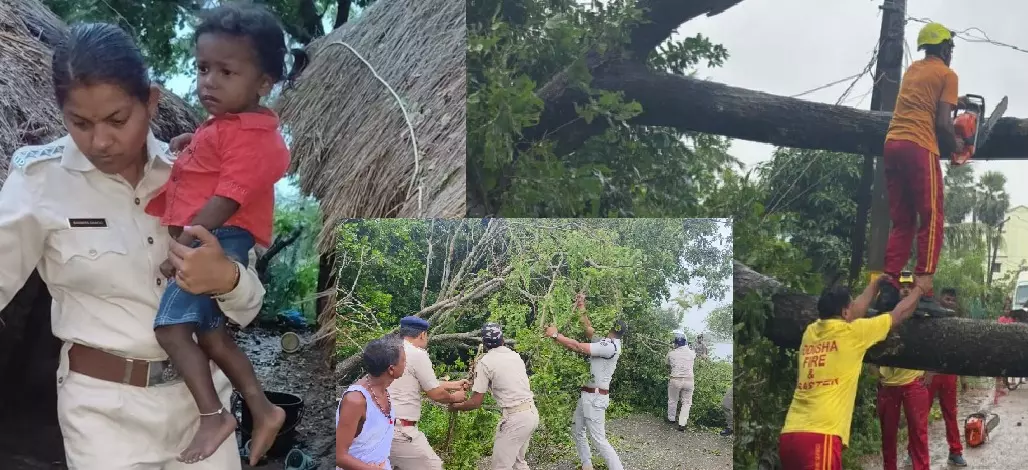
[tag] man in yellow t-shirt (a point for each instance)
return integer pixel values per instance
(830, 357)
(906, 389)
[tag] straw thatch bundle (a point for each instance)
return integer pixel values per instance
(28, 113)
(350, 142)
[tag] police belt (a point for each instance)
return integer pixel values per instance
(528, 405)
(109, 367)
(595, 390)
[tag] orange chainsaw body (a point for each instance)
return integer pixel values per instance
(966, 126)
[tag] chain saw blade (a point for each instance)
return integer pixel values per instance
(986, 127)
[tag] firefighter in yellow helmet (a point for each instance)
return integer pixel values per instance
(920, 131)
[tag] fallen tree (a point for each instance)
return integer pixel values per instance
(947, 345)
(690, 104)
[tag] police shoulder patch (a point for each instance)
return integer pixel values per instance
(31, 154)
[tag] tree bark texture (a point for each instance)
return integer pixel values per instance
(946, 345)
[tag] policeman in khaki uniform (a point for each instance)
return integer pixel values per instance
(502, 372)
(590, 414)
(681, 385)
(120, 403)
(411, 450)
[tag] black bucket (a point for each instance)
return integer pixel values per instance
(291, 404)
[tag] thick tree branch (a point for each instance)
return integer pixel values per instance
(663, 17)
(697, 105)
(277, 246)
(342, 12)
(948, 345)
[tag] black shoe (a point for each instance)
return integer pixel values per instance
(929, 307)
(681, 428)
(671, 421)
(726, 432)
(888, 297)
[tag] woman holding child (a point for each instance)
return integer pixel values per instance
(96, 214)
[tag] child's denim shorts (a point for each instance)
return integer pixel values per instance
(178, 306)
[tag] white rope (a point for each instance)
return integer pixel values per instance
(406, 117)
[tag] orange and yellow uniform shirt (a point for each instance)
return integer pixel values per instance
(830, 359)
(925, 83)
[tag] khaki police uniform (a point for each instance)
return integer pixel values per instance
(726, 406)
(591, 412)
(411, 450)
(701, 350)
(502, 372)
(680, 386)
(99, 253)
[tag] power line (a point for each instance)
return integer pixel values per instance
(853, 79)
(965, 35)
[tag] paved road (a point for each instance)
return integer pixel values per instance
(1007, 447)
(650, 443)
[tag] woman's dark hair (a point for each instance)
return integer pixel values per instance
(381, 353)
(95, 53)
(832, 302)
(264, 31)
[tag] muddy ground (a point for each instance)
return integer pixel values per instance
(300, 374)
(1007, 447)
(646, 442)
(31, 439)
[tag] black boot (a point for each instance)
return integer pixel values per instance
(929, 307)
(888, 297)
(726, 432)
(681, 428)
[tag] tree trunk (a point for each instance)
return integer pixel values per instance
(714, 108)
(947, 345)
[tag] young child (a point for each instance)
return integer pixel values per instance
(224, 181)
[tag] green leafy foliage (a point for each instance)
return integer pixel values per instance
(514, 48)
(291, 280)
(161, 27)
(626, 267)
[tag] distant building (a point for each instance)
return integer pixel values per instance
(1013, 251)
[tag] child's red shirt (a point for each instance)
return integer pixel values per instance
(236, 156)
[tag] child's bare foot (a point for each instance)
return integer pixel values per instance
(265, 429)
(213, 431)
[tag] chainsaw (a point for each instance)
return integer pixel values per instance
(977, 427)
(968, 126)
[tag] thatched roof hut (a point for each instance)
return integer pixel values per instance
(29, 116)
(350, 142)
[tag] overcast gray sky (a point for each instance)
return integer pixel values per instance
(788, 47)
(695, 318)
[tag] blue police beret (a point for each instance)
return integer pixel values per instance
(414, 322)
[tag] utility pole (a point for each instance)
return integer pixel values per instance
(888, 71)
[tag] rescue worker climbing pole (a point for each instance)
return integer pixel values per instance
(502, 372)
(921, 129)
(591, 412)
(907, 389)
(831, 356)
(680, 386)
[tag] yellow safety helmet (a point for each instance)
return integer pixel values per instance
(933, 33)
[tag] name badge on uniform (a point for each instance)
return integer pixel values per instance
(87, 223)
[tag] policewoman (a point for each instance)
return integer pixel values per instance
(73, 209)
(591, 412)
